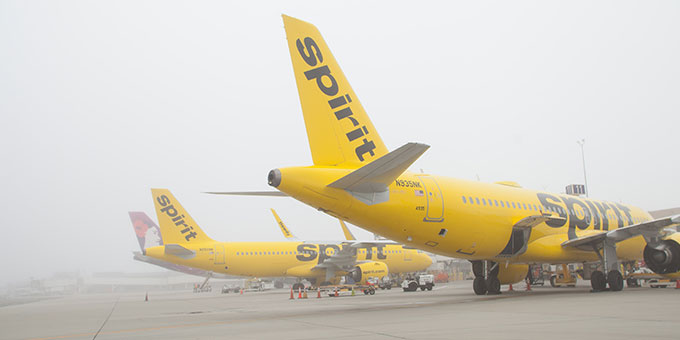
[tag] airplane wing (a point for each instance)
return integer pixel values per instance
(649, 230)
(248, 193)
(534, 220)
(347, 256)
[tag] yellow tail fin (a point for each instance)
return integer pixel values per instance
(176, 224)
(339, 130)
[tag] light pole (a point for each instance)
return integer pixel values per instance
(583, 158)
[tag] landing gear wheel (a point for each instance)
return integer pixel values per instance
(615, 280)
(479, 286)
(552, 282)
(478, 268)
(493, 286)
(598, 281)
(631, 282)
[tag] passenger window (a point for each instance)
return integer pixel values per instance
(477, 199)
(483, 202)
(471, 201)
(513, 205)
(495, 202)
(502, 205)
(524, 205)
(464, 200)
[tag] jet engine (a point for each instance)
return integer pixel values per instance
(513, 273)
(362, 272)
(664, 257)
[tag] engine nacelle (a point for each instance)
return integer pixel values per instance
(663, 258)
(513, 273)
(364, 271)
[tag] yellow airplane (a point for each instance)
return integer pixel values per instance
(500, 227)
(187, 245)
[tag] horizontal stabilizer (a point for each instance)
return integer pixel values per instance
(370, 183)
(248, 193)
(179, 251)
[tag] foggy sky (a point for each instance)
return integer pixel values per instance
(102, 101)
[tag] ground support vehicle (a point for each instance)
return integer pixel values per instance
(346, 290)
(384, 283)
(230, 288)
(422, 281)
(564, 277)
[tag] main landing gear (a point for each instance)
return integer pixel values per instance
(610, 262)
(486, 278)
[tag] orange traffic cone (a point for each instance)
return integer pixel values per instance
(528, 286)
(291, 294)
(677, 284)
(241, 291)
(304, 295)
(146, 297)
(336, 293)
(299, 293)
(510, 288)
(318, 293)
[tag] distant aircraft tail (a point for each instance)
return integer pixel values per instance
(286, 232)
(177, 226)
(148, 233)
(339, 130)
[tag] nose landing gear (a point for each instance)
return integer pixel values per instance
(486, 278)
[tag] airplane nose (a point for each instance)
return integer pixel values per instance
(274, 178)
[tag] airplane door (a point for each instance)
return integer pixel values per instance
(435, 200)
(219, 254)
(408, 254)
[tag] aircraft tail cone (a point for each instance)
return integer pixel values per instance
(318, 293)
(291, 294)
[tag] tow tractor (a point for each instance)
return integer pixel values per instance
(422, 281)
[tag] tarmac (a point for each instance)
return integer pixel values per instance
(450, 311)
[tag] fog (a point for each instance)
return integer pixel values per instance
(101, 101)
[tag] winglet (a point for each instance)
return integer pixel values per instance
(345, 230)
(370, 183)
(284, 230)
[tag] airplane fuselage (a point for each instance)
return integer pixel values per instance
(293, 259)
(468, 219)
